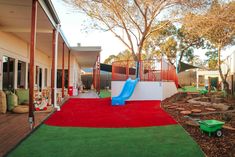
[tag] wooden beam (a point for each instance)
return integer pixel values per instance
(63, 71)
(31, 68)
(98, 81)
(53, 67)
(93, 77)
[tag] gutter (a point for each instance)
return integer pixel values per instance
(53, 17)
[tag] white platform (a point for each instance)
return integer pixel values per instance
(147, 90)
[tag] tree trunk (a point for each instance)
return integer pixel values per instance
(224, 81)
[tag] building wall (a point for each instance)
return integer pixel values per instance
(147, 90)
(187, 78)
(14, 47)
(233, 63)
(75, 69)
(229, 63)
(75, 73)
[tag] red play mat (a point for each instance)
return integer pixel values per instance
(99, 113)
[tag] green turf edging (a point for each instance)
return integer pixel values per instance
(190, 89)
(104, 94)
(162, 141)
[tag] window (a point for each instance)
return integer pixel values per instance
(21, 74)
(38, 80)
(45, 77)
(59, 78)
(8, 73)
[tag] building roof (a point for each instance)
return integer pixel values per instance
(86, 55)
(16, 19)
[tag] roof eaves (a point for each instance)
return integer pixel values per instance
(49, 10)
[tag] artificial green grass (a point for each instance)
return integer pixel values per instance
(164, 141)
(105, 93)
(190, 89)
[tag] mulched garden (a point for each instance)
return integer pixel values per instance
(212, 146)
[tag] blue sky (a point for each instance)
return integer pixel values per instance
(72, 24)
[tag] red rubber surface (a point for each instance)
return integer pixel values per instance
(99, 113)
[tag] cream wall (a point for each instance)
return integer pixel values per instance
(59, 61)
(75, 69)
(14, 47)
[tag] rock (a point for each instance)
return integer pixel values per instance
(196, 110)
(172, 107)
(221, 106)
(210, 109)
(189, 97)
(218, 100)
(198, 101)
(196, 105)
(205, 99)
(185, 112)
(227, 117)
(180, 109)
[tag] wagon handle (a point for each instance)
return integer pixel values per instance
(195, 120)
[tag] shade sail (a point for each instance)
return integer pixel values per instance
(184, 66)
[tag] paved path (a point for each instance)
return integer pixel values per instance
(87, 94)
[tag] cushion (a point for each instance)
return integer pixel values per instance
(3, 102)
(12, 101)
(21, 109)
(23, 96)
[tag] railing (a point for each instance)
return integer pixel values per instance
(150, 70)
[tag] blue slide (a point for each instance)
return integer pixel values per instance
(126, 93)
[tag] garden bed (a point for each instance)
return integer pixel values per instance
(212, 146)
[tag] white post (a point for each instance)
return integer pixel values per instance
(15, 73)
(26, 75)
(55, 74)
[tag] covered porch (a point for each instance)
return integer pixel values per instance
(35, 57)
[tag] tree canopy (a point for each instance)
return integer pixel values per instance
(217, 26)
(133, 21)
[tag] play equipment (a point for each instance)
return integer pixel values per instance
(212, 126)
(209, 126)
(41, 105)
(126, 92)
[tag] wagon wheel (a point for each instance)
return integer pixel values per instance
(219, 133)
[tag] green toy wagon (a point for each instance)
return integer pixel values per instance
(211, 126)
